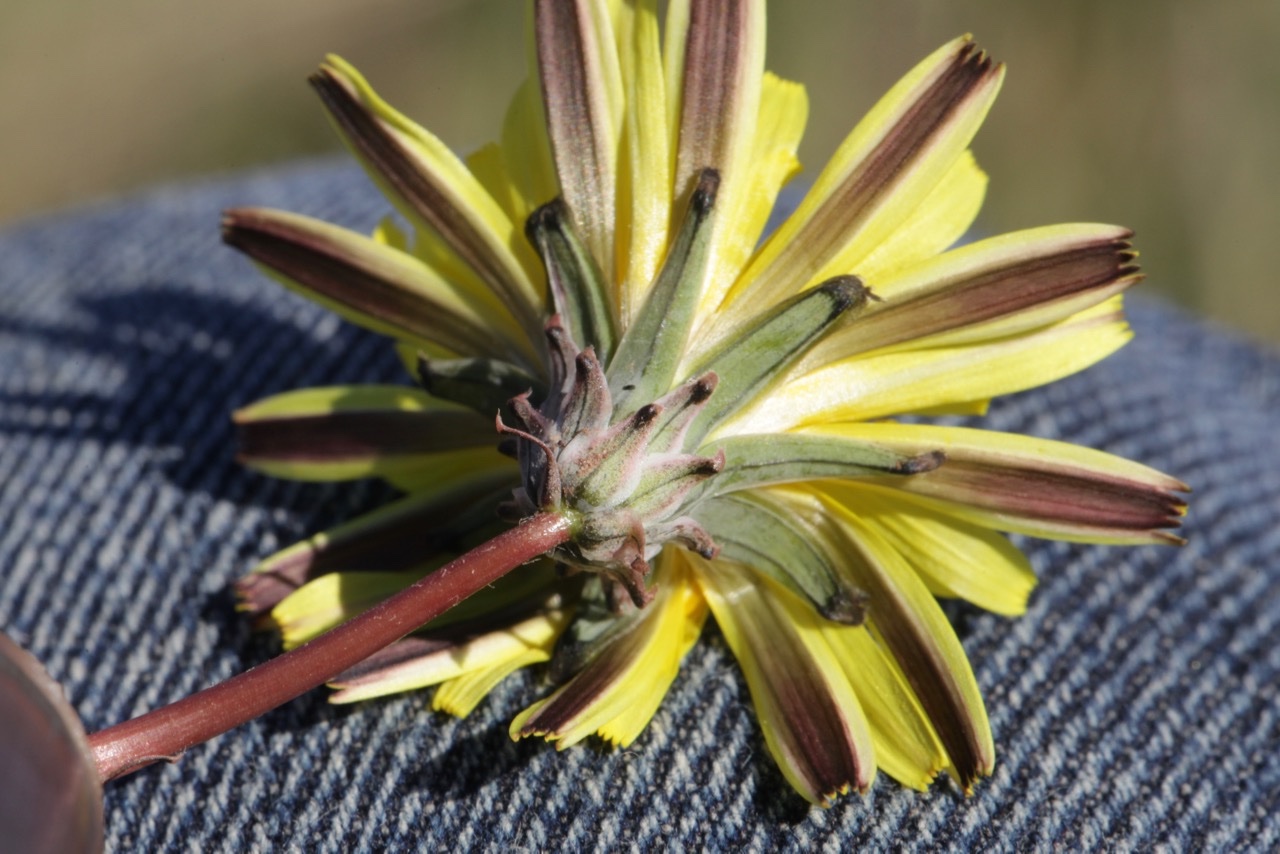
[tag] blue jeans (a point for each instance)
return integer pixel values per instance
(1133, 706)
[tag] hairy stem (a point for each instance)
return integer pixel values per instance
(162, 734)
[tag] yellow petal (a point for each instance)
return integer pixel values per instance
(433, 188)
(620, 689)
(906, 747)
(811, 717)
(907, 380)
(644, 190)
(634, 717)
(388, 233)
(906, 617)
(891, 162)
(519, 642)
(721, 51)
(526, 153)
(936, 224)
(489, 167)
(955, 558)
(330, 600)
(784, 110)
(675, 28)
(459, 696)
(1034, 486)
(346, 432)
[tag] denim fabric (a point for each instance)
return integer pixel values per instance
(1134, 706)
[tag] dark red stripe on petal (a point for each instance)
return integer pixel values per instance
(1103, 265)
(1095, 500)
(397, 537)
(924, 663)
(810, 721)
(926, 671)
(348, 271)
(421, 192)
(571, 701)
(379, 665)
(712, 79)
(258, 593)
(577, 117)
(877, 176)
(360, 435)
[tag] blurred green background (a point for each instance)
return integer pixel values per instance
(1158, 114)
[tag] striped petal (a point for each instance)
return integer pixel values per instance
(622, 685)
(812, 720)
(582, 104)
(418, 663)
(784, 112)
(715, 66)
(347, 432)
(372, 283)
(433, 189)
(887, 166)
(997, 287)
(1033, 486)
(906, 618)
(917, 380)
(403, 535)
(906, 747)
(936, 224)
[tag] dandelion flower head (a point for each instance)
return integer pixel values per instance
(601, 328)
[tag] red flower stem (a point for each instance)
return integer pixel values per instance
(162, 734)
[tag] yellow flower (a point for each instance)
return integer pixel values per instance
(708, 408)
